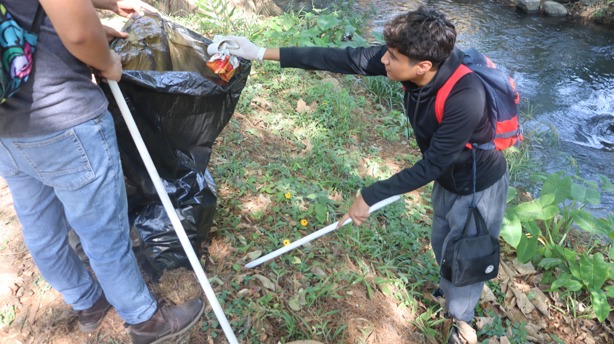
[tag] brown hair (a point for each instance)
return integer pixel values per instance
(424, 34)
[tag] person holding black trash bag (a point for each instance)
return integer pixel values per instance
(59, 157)
(420, 53)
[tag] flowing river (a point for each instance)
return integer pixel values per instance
(564, 71)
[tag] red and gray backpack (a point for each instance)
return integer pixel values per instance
(502, 99)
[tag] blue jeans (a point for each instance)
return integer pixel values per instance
(74, 178)
(449, 216)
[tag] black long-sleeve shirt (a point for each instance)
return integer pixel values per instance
(444, 155)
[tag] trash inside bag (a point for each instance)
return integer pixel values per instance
(180, 107)
(223, 65)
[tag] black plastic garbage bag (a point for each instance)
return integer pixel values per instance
(180, 107)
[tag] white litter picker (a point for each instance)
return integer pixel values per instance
(316, 234)
(170, 211)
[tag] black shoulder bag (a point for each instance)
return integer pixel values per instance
(471, 259)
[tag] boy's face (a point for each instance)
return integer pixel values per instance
(400, 68)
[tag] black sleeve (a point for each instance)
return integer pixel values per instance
(362, 61)
(464, 109)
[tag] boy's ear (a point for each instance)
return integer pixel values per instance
(424, 66)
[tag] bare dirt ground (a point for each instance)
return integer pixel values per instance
(36, 312)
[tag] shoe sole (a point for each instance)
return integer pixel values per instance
(183, 330)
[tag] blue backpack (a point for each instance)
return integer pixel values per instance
(17, 48)
(502, 99)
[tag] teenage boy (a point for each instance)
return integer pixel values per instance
(420, 53)
(59, 157)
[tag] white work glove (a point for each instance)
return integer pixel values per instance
(236, 45)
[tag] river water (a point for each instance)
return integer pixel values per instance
(564, 71)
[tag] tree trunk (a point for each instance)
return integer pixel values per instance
(265, 8)
(175, 7)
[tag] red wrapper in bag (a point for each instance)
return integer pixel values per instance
(223, 64)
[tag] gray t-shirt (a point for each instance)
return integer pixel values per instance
(58, 95)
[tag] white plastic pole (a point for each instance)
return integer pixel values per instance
(170, 210)
(316, 234)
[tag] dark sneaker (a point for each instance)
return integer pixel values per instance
(90, 319)
(462, 333)
(167, 322)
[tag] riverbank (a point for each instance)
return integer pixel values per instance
(600, 12)
(594, 11)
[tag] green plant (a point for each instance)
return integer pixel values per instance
(497, 328)
(386, 92)
(547, 222)
(550, 217)
(218, 14)
(322, 28)
(7, 315)
(220, 17)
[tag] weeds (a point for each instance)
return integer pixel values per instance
(539, 229)
(7, 315)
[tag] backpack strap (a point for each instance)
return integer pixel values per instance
(444, 91)
(38, 19)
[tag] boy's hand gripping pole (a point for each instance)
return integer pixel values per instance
(170, 211)
(316, 234)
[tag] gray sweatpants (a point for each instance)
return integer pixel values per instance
(449, 216)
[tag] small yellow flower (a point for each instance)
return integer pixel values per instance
(288, 195)
(286, 242)
(304, 223)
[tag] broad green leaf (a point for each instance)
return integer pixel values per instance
(548, 278)
(526, 248)
(321, 212)
(592, 184)
(604, 226)
(511, 193)
(534, 210)
(567, 282)
(511, 229)
(593, 196)
(578, 192)
(600, 304)
(609, 291)
(574, 268)
(311, 196)
(349, 28)
(549, 263)
(593, 270)
(546, 251)
(558, 185)
(550, 212)
(533, 228)
(608, 186)
(274, 26)
(538, 177)
(586, 221)
(547, 199)
(327, 22)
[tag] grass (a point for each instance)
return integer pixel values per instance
(320, 158)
